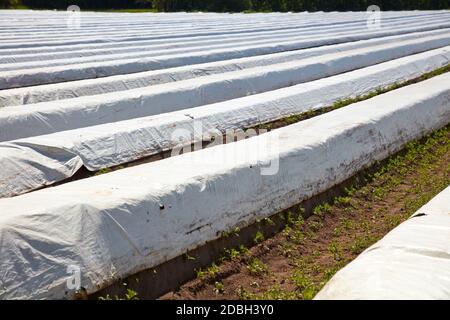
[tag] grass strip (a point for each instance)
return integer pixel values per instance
(291, 119)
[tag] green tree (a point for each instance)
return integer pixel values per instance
(8, 3)
(238, 5)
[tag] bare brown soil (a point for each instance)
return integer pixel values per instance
(297, 262)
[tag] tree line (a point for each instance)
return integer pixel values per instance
(234, 5)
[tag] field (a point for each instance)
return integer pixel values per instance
(215, 155)
(306, 254)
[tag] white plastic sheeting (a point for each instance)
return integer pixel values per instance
(187, 26)
(411, 262)
(117, 224)
(114, 225)
(87, 70)
(37, 61)
(54, 116)
(73, 89)
(256, 26)
(97, 27)
(155, 47)
(31, 163)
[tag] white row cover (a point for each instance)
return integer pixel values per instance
(31, 34)
(43, 118)
(89, 70)
(184, 26)
(117, 224)
(147, 47)
(166, 23)
(302, 24)
(31, 163)
(411, 262)
(18, 62)
(73, 89)
(165, 46)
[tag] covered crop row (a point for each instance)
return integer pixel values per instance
(58, 70)
(66, 90)
(420, 271)
(31, 163)
(117, 224)
(24, 44)
(54, 116)
(109, 89)
(53, 25)
(142, 38)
